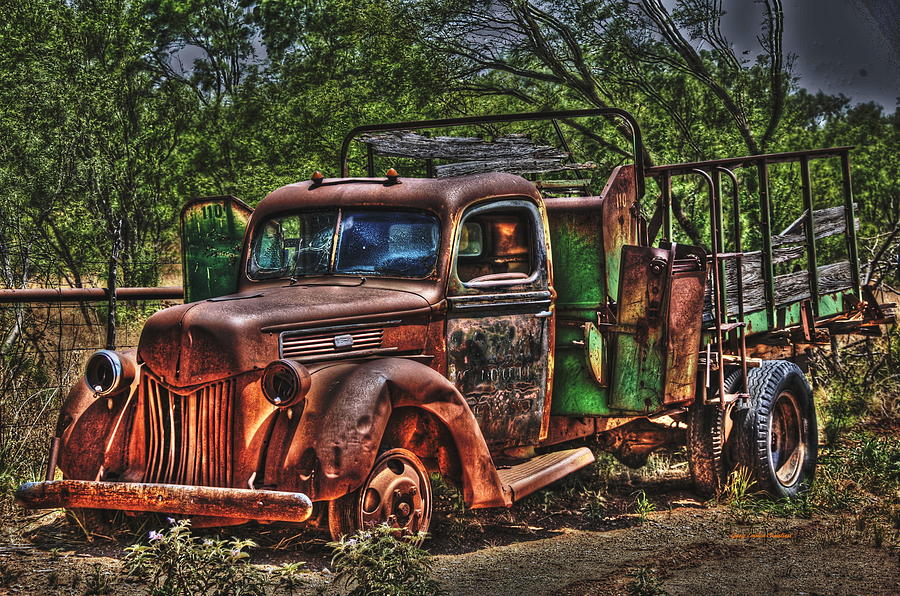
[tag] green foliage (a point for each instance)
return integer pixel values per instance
(290, 575)
(375, 562)
(175, 562)
(644, 582)
(738, 490)
(593, 504)
(643, 506)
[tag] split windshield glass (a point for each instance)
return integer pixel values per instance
(369, 242)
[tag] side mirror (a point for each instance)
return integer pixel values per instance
(212, 235)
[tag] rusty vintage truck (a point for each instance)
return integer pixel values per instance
(350, 337)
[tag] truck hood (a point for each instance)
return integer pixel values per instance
(205, 341)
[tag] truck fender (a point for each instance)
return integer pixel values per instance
(332, 446)
(92, 430)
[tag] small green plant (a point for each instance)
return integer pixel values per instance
(175, 562)
(447, 493)
(97, 582)
(644, 583)
(375, 562)
(290, 575)
(643, 506)
(593, 504)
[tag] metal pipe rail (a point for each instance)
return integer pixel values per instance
(664, 174)
(50, 295)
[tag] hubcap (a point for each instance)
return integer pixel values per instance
(787, 440)
(398, 494)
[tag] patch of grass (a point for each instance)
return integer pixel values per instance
(738, 495)
(375, 562)
(801, 507)
(842, 408)
(643, 506)
(644, 582)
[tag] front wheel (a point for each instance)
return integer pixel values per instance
(779, 436)
(397, 493)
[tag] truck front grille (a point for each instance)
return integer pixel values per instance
(312, 345)
(188, 436)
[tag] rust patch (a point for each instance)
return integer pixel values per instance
(499, 364)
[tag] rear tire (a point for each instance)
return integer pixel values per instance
(708, 433)
(704, 446)
(397, 493)
(779, 435)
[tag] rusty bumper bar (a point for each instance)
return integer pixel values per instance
(242, 503)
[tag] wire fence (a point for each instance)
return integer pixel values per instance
(43, 350)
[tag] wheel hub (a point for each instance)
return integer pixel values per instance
(396, 494)
(787, 440)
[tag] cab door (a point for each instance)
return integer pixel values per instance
(212, 234)
(500, 320)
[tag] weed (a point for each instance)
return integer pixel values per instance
(593, 504)
(643, 506)
(290, 575)
(444, 492)
(644, 583)
(799, 507)
(175, 562)
(738, 495)
(376, 562)
(97, 582)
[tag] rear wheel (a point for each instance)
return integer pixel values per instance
(779, 436)
(709, 430)
(397, 493)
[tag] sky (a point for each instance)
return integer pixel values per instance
(850, 47)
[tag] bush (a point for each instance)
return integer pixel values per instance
(375, 562)
(174, 562)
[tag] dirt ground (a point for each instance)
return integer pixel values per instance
(541, 546)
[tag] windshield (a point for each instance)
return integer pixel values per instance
(369, 242)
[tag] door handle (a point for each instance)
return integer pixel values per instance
(543, 314)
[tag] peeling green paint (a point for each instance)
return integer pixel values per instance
(212, 232)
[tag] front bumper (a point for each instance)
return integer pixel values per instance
(240, 503)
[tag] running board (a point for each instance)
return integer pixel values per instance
(536, 473)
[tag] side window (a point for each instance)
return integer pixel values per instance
(498, 245)
(270, 252)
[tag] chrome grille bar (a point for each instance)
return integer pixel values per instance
(302, 345)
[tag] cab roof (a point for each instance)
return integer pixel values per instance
(445, 197)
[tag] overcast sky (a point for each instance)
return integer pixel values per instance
(841, 46)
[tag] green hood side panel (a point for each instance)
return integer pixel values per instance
(212, 234)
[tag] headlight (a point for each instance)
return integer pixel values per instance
(285, 382)
(107, 372)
